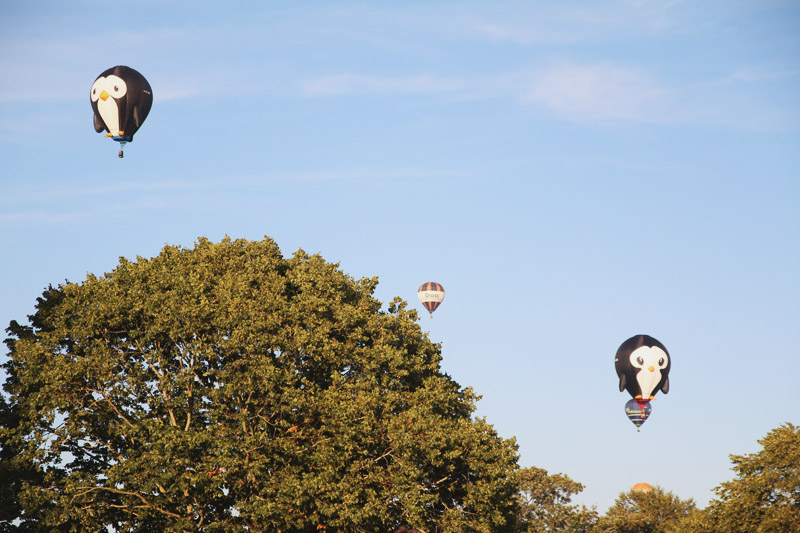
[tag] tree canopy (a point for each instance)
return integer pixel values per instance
(545, 501)
(765, 495)
(224, 387)
(652, 511)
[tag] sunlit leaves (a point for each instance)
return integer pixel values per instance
(225, 387)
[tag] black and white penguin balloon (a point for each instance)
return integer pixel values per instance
(121, 100)
(642, 365)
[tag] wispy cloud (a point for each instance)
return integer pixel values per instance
(613, 93)
(367, 84)
(762, 73)
(524, 34)
(57, 68)
(362, 175)
(44, 216)
(88, 200)
(61, 66)
(128, 187)
(83, 211)
(630, 15)
(81, 203)
(600, 92)
(560, 24)
(576, 92)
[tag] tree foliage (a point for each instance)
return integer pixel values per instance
(652, 511)
(765, 495)
(13, 473)
(225, 387)
(545, 502)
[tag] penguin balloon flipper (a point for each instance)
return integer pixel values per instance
(665, 386)
(98, 124)
(136, 117)
(622, 382)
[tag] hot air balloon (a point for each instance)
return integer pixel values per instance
(638, 412)
(642, 365)
(642, 487)
(121, 99)
(431, 294)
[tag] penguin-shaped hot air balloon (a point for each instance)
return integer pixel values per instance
(121, 99)
(431, 294)
(642, 365)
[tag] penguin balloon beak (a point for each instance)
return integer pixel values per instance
(650, 368)
(104, 96)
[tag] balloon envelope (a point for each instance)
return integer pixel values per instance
(642, 487)
(638, 412)
(642, 364)
(121, 99)
(431, 294)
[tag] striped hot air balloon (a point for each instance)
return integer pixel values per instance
(431, 294)
(638, 412)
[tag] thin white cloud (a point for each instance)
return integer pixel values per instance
(68, 214)
(30, 82)
(524, 34)
(55, 68)
(577, 92)
(366, 84)
(560, 24)
(91, 201)
(363, 175)
(44, 216)
(608, 93)
(762, 73)
(630, 15)
(149, 194)
(126, 187)
(600, 92)
(49, 67)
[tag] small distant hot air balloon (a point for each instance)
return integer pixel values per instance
(642, 487)
(431, 294)
(638, 412)
(121, 99)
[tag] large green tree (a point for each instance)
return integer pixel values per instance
(651, 511)
(765, 495)
(224, 387)
(545, 504)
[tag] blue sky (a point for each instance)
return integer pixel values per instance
(573, 173)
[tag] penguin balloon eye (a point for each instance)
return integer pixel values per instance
(661, 362)
(117, 84)
(640, 360)
(97, 88)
